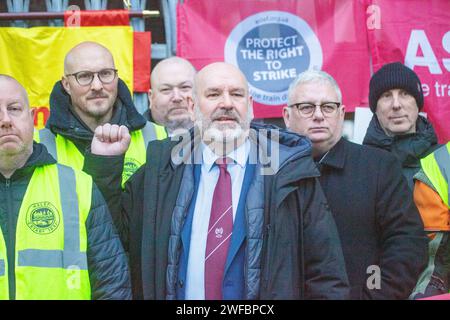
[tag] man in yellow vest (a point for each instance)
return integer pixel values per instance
(172, 80)
(431, 195)
(57, 239)
(90, 94)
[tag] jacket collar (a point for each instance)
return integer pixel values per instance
(376, 136)
(408, 148)
(289, 146)
(63, 121)
(335, 157)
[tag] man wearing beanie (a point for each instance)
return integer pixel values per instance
(396, 98)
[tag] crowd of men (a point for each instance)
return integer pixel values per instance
(194, 200)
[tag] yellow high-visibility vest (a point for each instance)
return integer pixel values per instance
(437, 168)
(51, 237)
(161, 132)
(65, 151)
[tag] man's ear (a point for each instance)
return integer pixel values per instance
(65, 84)
(251, 107)
(286, 116)
(150, 94)
(342, 111)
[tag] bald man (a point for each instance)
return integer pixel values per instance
(45, 252)
(222, 223)
(172, 80)
(90, 94)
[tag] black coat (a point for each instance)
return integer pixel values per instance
(377, 220)
(107, 261)
(301, 255)
(407, 148)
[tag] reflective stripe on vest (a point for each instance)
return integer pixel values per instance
(442, 156)
(51, 237)
(47, 138)
(149, 133)
(437, 168)
(4, 285)
(62, 149)
(71, 254)
(2, 267)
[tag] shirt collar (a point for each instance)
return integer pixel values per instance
(239, 155)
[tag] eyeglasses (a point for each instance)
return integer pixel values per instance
(307, 109)
(85, 78)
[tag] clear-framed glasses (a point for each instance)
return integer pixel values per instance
(307, 109)
(85, 78)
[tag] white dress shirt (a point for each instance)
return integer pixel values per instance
(195, 277)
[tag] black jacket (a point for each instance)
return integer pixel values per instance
(300, 257)
(65, 122)
(107, 262)
(408, 148)
(377, 220)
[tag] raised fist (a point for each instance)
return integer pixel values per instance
(110, 140)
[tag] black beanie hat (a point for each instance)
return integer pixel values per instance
(394, 76)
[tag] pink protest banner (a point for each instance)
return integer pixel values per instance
(273, 41)
(416, 33)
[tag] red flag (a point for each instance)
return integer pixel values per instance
(141, 46)
(141, 61)
(91, 18)
(273, 41)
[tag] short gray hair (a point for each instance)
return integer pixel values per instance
(309, 76)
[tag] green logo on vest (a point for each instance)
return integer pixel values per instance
(130, 167)
(42, 217)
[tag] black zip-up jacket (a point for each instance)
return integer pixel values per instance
(107, 261)
(297, 248)
(407, 148)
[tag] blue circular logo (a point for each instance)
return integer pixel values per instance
(270, 56)
(272, 48)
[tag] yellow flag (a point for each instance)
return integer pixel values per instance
(35, 57)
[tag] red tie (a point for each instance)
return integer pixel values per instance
(219, 234)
